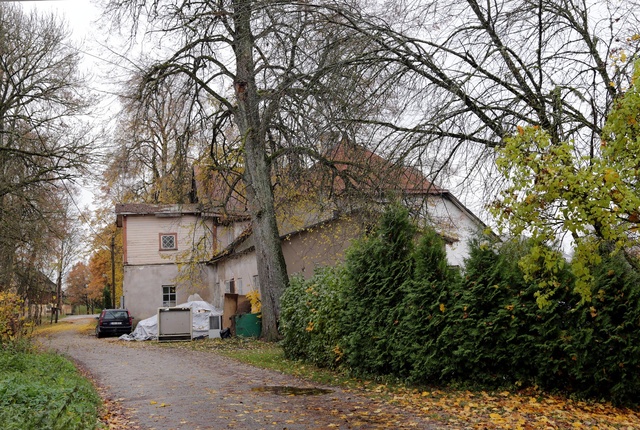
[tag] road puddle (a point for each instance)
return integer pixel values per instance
(284, 390)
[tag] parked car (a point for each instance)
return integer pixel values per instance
(114, 322)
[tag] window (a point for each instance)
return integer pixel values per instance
(239, 286)
(168, 296)
(168, 241)
(230, 286)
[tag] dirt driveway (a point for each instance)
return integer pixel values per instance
(166, 388)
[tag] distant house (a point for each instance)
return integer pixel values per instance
(37, 289)
(173, 251)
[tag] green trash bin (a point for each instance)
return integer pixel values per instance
(248, 325)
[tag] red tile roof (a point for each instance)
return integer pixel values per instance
(368, 171)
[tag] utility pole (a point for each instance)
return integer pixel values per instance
(59, 282)
(113, 271)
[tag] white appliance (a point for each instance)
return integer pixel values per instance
(175, 324)
(215, 325)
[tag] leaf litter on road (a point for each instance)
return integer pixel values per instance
(464, 409)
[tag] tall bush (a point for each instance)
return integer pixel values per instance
(396, 309)
(12, 323)
(310, 318)
(605, 335)
(420, 317)
(376, 268)
(496, 334)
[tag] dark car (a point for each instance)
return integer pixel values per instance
(114, 322)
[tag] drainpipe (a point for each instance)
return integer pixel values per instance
(113, 272)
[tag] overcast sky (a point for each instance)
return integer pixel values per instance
(81, 17)
(80, 14)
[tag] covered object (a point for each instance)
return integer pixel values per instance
(148, 329)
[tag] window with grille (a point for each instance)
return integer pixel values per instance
(168, 241)
(168, 296)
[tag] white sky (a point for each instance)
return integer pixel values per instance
(81, 18)
(80, 14)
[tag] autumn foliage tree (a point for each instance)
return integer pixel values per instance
(77, 291)
(591, 200)
(99, 268)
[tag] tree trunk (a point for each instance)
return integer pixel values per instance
(272, 271)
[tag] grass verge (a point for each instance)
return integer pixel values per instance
(43, 391)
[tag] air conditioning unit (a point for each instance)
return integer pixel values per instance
(215, 325)
(175, 324)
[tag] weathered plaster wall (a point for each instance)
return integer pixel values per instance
(323, 246)
(143, 288)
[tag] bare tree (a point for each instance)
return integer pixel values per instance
(432, 84)
(278, 76)
(475, 71)
(157, 142)
(41, 144)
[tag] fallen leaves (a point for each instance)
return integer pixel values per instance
(459, 409)
(524, 410)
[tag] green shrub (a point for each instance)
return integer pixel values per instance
(420, 317)
(376, 268)
(44, 391)
(397, 309)
(605, 335)
(310, 318)
(496, 334)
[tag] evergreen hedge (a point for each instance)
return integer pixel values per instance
(395, 308)
(604, 340)
(376, 269)
(310, 318)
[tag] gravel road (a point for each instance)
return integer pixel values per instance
(167, 388)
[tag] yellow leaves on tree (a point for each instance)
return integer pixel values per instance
(254, 298)
(100, 269)
(555, 193)
(11, 320)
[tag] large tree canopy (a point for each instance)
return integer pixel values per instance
(280, 77)
(475, 71)
(41, 144)
(432, 84)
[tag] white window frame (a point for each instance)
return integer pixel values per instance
(230, 286)
(168, 291)
(239, 286)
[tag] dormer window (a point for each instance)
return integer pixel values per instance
(168, 241)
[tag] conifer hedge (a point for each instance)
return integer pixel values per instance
(395, 308)
(310, 318)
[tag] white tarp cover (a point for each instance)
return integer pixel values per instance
(148, 329)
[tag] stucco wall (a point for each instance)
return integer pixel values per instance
(147, 269)
(322, 246)
(243, 267)
(143, 288)
(449, 218)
